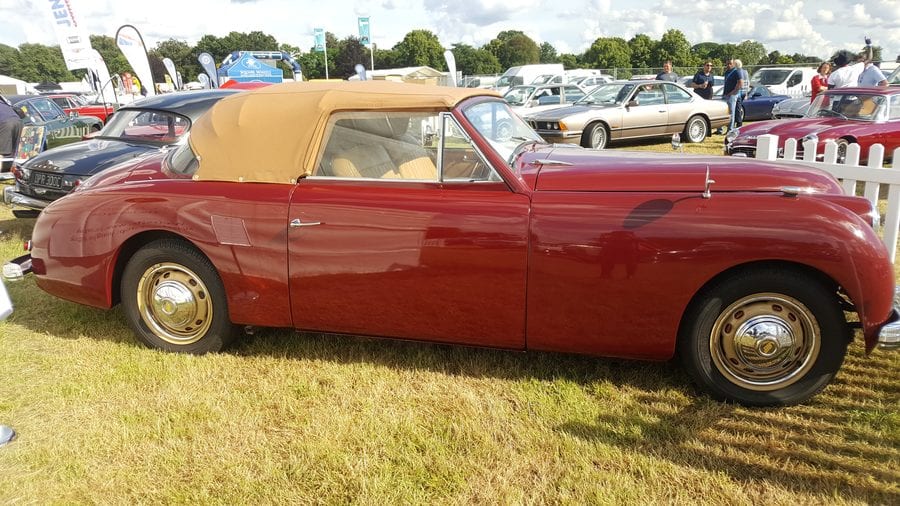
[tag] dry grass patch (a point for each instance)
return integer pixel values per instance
(286, 417)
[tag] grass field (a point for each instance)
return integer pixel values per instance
(286, 417)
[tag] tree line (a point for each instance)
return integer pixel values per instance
(38, 62)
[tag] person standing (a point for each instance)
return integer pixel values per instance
(819, 82)
(872, 77)
(846, 74)
(703, 81)
(667, 74)
(10, 130)
(735, 79)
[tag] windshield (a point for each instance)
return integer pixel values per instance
(503, 129)
(894, 78)
(770, 76)
(852, 106)
(518, 95)
(147, 126)
(611, 93)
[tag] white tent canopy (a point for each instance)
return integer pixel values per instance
(12, 86)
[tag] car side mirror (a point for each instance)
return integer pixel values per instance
(632, 103)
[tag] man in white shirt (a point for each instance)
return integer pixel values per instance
(872, 77)
(846, 74)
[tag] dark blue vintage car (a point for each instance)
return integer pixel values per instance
(136, 129)
(757, 104)
(43, 111)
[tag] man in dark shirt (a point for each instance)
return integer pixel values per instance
(703, 81)
(10, 129)
(667, 74)
(735, 79)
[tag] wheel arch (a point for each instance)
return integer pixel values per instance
(588, 127)
(799, 268)
(130, 247)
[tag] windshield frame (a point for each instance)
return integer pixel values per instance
(115, 129)
(615, 93)
(504, 131)
(824, 103)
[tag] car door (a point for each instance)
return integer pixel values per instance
(646, 114)
(407, 235)
(681, 107)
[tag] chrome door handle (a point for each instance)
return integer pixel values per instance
(295, 223)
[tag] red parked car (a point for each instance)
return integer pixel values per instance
(436, 214)
(72, 102)
(864, 116)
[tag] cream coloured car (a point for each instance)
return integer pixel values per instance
(630, 110)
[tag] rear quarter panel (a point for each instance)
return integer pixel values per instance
(241, 228)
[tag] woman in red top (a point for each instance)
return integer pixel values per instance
(819, 81)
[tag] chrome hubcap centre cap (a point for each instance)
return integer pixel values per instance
(174, 303)
(763, 341)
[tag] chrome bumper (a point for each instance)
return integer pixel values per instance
(889, 335)
(13, 198)
(16, 269)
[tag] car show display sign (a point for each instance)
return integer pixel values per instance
(73, 39)
(30, 142)
(130, 42)
(209, 66)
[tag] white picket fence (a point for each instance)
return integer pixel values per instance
(874, 174)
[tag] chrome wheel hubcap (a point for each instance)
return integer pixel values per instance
(697, 131)
(174, 303)
(765, 341)
(598, 139)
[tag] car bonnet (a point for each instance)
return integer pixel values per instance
(273, 134)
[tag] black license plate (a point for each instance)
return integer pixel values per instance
(47, 180)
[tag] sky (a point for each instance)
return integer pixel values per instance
(814, 28)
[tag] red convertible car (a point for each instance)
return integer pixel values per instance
(436, 214)
(864, 116)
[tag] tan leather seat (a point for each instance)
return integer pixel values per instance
(370, 161)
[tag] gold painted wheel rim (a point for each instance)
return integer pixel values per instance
(765, 341)
(174, 303)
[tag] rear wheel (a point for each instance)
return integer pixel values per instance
(842, 145)
(174, 300)
(595, 137)
(696, 129)
(770, 337)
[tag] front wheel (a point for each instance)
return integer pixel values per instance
(696, 129)
(174, 300)
(769, 337)
(595, 137)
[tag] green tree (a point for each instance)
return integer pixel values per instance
(513, 48)
(750, 52)
(421, 47)
(673, 46)
(350, 54)
(9, 59)
(569, 61)
(112, 55)
(182, 55)
(641, 46)
(38, 63)
(386, 59)
(608, 53)
(471, 61)
(548, 53)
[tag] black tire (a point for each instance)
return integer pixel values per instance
(696, 129)
(767, 337)
(842, 145)
(596, 136)
(174, 299)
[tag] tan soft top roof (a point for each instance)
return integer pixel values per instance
(273, 134)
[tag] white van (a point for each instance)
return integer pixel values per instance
(793, 81)
(526, 74)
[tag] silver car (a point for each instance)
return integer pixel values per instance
(631, 110)
(791, 108)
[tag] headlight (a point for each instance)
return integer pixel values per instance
(75, 182)
(732, 135)
(809, 137)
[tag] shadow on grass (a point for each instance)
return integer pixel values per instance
(801, 449)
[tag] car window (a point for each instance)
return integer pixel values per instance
(504, 130)
(649, 94)
(895, 107)
(400, 146)
(62, 102)
(147, 125)
(676, 95)
(48, 109)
